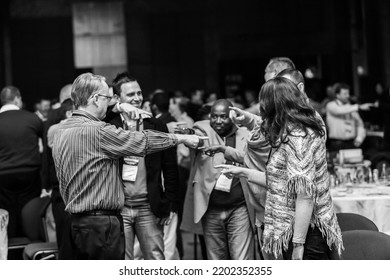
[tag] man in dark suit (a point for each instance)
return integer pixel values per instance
(149, 202)
(20, 160)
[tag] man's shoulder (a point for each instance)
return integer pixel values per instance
(20, 114)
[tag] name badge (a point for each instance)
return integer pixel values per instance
(130, 169)
(223, 183)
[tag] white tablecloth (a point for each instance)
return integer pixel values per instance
(370, 201)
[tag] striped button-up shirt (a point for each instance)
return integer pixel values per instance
(86, 153)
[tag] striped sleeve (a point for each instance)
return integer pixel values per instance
(117, 142)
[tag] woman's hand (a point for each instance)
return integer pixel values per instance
(297, 253)
(231, 171)
(212, 150)
(237, 115)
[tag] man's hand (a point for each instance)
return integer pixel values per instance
(238, 115)
(357, 142)
(191, 141)
(176, 127)
(297, 253)
(131, 111)
(167, 220)
(366, 106)
(231, 171)
(212, 150)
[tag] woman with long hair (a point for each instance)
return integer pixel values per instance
(299, 218)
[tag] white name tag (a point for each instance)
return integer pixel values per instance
(223, 183)
(130, 169)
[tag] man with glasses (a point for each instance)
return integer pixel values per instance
(87, 155)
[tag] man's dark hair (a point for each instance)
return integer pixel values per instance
(8, 94)
(119, 80)
(339, 86)
(161, 100)
(66, 105)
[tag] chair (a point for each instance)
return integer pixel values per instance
(366, 245)
(34, 242)
(351, 221)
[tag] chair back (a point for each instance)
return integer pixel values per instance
(351, 221)
(366, 245)
(33, 214)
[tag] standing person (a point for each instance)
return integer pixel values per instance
(273, 68)
(226, 215)
(87, 155)
(345, 127)
(178, 107)
(20, 160)
(299, 215)
(149, 202)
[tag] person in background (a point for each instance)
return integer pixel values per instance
(42, 109)
(345, 127)
(159, 105)
(178, 107)
(273, 68)
(20, 160)
(61, 217)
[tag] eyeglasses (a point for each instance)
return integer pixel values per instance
(106, 96)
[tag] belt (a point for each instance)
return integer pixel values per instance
(99, 213)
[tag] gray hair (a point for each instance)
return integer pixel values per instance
(84, 86)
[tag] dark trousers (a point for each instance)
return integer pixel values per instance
(16, 189)
(316, 247)
(62, 220)
(184, 173)
(97, 237)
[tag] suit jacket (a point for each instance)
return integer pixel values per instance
(205, 175)
(163, 198)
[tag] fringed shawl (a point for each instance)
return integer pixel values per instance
(295, 167)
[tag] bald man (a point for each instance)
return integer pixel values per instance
(221, 204)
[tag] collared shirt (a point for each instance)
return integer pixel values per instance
(227, 200)
(86, 153)
(9, 107)
(343, 121)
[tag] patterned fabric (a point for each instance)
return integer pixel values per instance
(86, 154)
(295, 167)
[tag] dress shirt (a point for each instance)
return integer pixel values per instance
(86, 153)
(344, 122)
(9, 107)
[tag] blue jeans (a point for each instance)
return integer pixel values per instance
(228, 234)
(142, 222)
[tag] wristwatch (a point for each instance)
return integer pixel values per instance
(296, 245)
